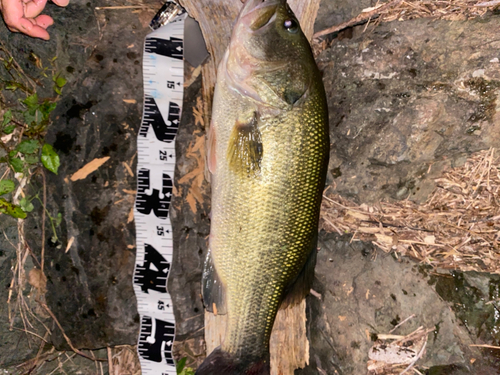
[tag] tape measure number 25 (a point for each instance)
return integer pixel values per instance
(163, 73)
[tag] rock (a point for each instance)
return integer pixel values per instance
(333, 13)
(406, 102)
(365, 292)
(26, 345)
(89, 265)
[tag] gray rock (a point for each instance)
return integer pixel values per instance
(333, 13)
(89, 286)
(406, 102)
(365, 292)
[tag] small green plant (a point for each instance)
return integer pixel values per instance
(182, 369)
(6, 207)
(22, 130)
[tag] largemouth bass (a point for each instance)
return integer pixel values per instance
(268, 148)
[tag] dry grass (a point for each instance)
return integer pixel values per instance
(457, 228)
(454, 10)
(123, 360)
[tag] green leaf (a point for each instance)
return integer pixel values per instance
(26, 205)
(29, 118)
(9, 129)
(11, 209)
(6, 186)
(50, 159)
(17, 164)
(58, 219)
(29, 146)
(187, 371)
(31, 159)
(46, 107)
(12, 85)
(60, 81)
(31, 102)
(7, 117)
(180, 365)
(57, 90)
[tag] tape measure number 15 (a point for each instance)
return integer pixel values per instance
(163, 74)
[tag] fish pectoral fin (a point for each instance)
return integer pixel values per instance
(212, 288)
(245, 151)
(292, 96)
(300, 287)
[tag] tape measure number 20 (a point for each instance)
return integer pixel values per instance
(163, 74)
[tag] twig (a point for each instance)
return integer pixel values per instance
(403, 322)
(123, 7)
(417, 357)
(315, 294)
(488, 3)
(485, 346)
(110, 362)
(31, 333)
(364, 16)
(43, 219)
(397, 226)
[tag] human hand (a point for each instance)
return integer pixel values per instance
(24, 16)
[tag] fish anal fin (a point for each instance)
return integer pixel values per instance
(302, 284)
(212, 288)
(245, 151)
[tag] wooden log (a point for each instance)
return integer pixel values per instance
(289, 344)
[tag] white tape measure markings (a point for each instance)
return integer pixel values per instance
(163, 75)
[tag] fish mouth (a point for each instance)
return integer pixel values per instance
(257, 14)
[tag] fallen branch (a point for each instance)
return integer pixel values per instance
(361, 18)
(485, 346)
(488, 3)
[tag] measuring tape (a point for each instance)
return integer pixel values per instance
(163, 74)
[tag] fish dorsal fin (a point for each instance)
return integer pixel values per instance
(300, 287)
(212, 288)
(245, 150)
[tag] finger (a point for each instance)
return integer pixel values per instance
(29, 27)
(44, 21)
(61, 3)
(34, 8)
(13, 12)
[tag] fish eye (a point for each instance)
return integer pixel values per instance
(291, 26)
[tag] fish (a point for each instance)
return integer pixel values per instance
(267, 154)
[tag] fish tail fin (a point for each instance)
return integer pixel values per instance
(222, 363)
